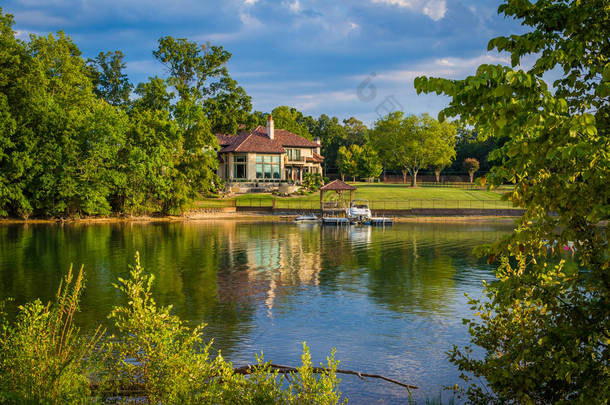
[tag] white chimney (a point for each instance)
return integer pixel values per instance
(317, 140)
(270, 128)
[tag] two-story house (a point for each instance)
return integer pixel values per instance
(266, 154)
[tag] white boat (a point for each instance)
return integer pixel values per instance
(307, 218)
(359, 211)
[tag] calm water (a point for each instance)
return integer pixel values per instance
(390, 300)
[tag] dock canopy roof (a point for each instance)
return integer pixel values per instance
(337, 185)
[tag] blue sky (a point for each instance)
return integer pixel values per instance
(314, 55)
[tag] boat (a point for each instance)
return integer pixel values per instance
(359, 211)
(307, 218)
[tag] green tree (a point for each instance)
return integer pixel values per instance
(407, 143)
(192, 69)
(369, 164)
(20, 91)
(292, 120)
(544, 326)
(228, 107)
(444, 149)
(111, 83)
(356, 131)
(154, 95)
(191, 66)
(74, 137)
(347, 161)
(471, 165)
(332, 136)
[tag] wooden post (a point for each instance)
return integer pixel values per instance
(322, 202)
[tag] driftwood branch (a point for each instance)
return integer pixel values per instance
(139, 389)
(321, 370)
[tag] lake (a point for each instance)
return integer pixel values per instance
(390, 300)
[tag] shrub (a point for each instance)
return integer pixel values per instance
(155, 349)
(43, 357)
(313, 181)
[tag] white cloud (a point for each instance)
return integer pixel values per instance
(250, 2)
(435, 9)
(442, 67)
(295, 6)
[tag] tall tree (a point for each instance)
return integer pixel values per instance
(291, 119)
(356, 131)
(193, 70)
(443, 151)
(545, 327)
(369, 164)
(191, 66)
(332, 136)
(109, 79)
(407, 143)
(347, 161)
(228, 107)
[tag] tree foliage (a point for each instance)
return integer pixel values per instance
(73, 143)
(347, 161)
(291, 119)
(412, 143)
(369, 164)
(545, 327)
(109, 80)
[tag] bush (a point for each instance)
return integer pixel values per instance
(313, 181)
(44, 358)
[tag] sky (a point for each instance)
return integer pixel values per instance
(336, 57)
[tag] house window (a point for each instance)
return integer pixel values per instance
(268, 167)
(240, 167)
(294, 154)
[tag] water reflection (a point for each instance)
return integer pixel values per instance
(385, 297)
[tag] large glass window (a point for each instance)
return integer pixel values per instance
(268, 167)
(294, 154)
(240, 167)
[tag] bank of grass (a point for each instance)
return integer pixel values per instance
(380, 196)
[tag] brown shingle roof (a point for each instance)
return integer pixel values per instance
(257, 141)
(315, 159)
(337, 185)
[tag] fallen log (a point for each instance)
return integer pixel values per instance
(247, 369)
(139, 389)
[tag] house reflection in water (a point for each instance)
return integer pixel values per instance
(266, 259)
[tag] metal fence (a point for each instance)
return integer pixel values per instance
(389, 205)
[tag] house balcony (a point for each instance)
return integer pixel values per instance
(295, 160)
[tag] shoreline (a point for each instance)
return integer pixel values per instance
(196, 216)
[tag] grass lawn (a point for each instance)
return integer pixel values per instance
(380, 196)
